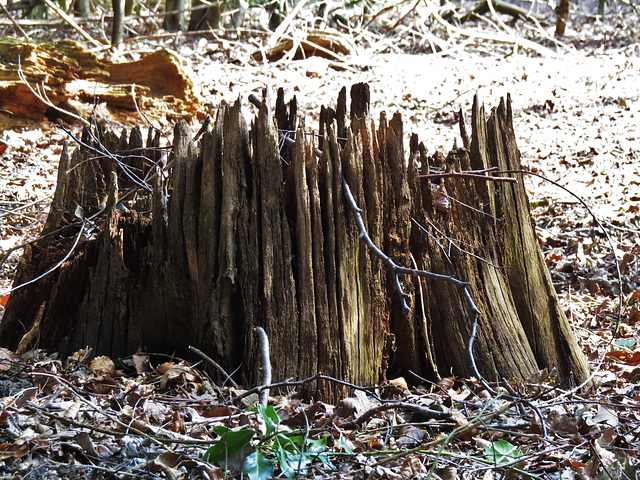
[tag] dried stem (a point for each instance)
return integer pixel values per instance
(218, 367)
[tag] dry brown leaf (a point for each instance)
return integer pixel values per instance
(103, 366)
(175, 423)
(27, 395)
(84, 440)
(604, 416)
(73, 410)
(165, 367)
(561, 423)
(408, 435)
(141, 363)
(448, 473)
(13, 450)
(412, 466)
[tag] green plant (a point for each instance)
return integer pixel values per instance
(270, 450)
(502, 452)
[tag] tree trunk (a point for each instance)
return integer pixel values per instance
(117, 28)
(562, 16)
(248, 231)
(205, 17)
(175, 17)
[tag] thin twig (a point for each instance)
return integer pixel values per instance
(26, 205)
(56, 266)
(485, 384)
(218, 367)
(71, 22)
(427, 412)
(13, 21)
(297, 383)
(41, 95)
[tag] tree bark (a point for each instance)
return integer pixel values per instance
(249, 231)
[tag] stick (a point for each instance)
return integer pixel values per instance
(13, 21)
(427, 412)
(216, 365)
(297, 383)
(265, 364)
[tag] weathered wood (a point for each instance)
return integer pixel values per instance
(248, 232)
(321, 43)
(74, 78)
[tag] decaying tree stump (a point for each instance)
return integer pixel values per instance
(240, 230)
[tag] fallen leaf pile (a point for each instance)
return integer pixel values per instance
(83, 417)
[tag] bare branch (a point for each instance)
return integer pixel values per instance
(396, 269)
(218, 367)
(427, 412)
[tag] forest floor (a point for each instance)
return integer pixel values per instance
(577, 118)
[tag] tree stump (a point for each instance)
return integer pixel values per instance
(242, 230)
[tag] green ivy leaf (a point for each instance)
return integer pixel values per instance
(269, 416)
(316, 450)
(283, 442)
(230, 443)
(257, 467)
(343, 445)
(317, 446)
(292, 463)
(501, 452)
(297, 440)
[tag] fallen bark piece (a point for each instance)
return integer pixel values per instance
(37, 80)
(314, 43)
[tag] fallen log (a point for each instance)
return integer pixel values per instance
(62, 80)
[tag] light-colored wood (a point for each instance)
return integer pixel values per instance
(39, 80)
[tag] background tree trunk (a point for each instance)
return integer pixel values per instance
(562, 16)
(117, 29)
(248, 231)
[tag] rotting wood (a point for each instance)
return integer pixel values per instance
(244, 233)
(72, 78)
(316, 43)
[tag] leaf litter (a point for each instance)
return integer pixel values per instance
(150, 417)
